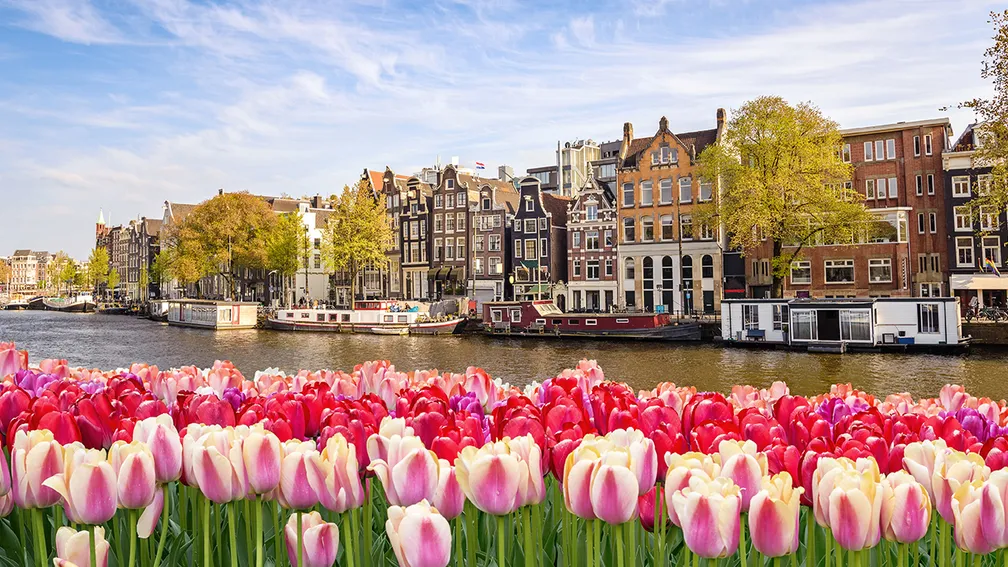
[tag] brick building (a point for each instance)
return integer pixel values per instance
(415, 241)
(539, 234)
(491, 214)
(591, 241)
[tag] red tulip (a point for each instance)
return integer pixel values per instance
(785, 458)
(61, 423)
(762, 430)
(516, 418)
(706, 406)
(646, 508)
(13, 401)
(706, 436)
(661, 424)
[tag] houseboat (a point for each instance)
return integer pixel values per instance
(157, 309)
(840, 325)
(80, 303)
(217, 315)
(17, 305)
(376, 317)
(544, 318)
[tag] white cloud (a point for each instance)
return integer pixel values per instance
(75, 21)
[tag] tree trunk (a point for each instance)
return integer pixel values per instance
(778, 282)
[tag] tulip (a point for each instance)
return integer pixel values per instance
(709, 511)
(261, 455)
(906, 508)
(919, 460)
(646, 508)
(342, 484)
(161, 437)
(87, 485)
(302, 478)
(492, 477)
(855, 508)
(952, 469)
(73, 547)
(35, 457)
(828, 469)
(448, 497)
(681, 468)
(407, 470)
(773, 516)
(134, 468)
(11, 359)
(529, 452)
(213, 470)
(614, 487)
(419, 535)
(644, 457)
(578, 471)
(319, 540)
(744, 466)
(149, 517)
(994, 509)
(978, 524)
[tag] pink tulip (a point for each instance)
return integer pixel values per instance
(681, 468)
(378, 443)
(87, 485)
(906, 508)
(644, 457)
(828, 470)
(529, 452)
(342, 488)
(709, 512)
(994, 509)
(151, 514)
(492, 477)
(919, 460)
(35, 457)
(302, 478)
(579, 468)
(979, 522)
(448, 497)
(319, 540)
(161, 437)
(953, 469)
(409, 471)
(11, 359)
(745, 466)
(773, 516)
(261, 455)
(74, 548)
(213, 469)
(855, 509)
(614, 488)
(136, 482)
(419, 535)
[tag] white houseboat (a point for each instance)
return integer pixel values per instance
(376, 317)
(839, 325)
(217, 315)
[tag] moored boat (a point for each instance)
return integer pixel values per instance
(216, 315)
(80, 303)
(37, 303)
(544, 318)
(376, 317)
(16, 305)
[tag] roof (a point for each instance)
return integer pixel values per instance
(966, 141)
(557, 207)
(283, 204)
(700, 139)
(322, 217)
(153, 226)
(895, 127)
(22, 253)
(180, 211)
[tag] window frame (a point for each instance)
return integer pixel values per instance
(879, 263)
(838, 264)
(799, 265)
(965, 244)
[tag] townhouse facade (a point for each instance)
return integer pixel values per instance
(450, 235)
(391, 188)
(591, 242)
(414, 240)
(28, 270)
(667, 262)
(975, 236)
(898, 169)
(492, 212)
(539, 250)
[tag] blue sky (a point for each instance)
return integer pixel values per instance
(123, 104)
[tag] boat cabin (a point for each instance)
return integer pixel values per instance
(842, 324)
(216, 315)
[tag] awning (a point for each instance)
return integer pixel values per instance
(435, 274)
(977, 282)
(453, 273)
(537, 288)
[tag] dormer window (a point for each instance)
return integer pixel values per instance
(449, 184)
(591, 212)
(529, 205)
(486, 204)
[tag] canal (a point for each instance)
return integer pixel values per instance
(109, 341)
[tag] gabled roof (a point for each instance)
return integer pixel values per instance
(557, 207)
(283, 204)
(966, 141)
(22, 253)
(153, 226)
(321, 217)
(179, 211)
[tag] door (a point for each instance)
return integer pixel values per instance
(708, 301)
(608, 299)
(829, 324)
(592, 302)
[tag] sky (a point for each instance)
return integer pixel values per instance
(124, 104)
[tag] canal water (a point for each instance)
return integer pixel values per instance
(110, 341)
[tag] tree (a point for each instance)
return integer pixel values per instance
(5, 274)
(98, 266)
(113, 280)
(782, 179)
(992, 122)
(68, 273)
(356, 235)
(54, 271)
(159, 270)
(225, 235)
(286, 245)
(143, 286)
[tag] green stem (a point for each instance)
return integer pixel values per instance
(257, 505)
(777, 562)
(274, 508)
(589, 542)
(131, 517)
(232, 539)
(810, 533)
(655, 529)
(529, 551)
(537, 514)
(944, 544)
(207, 551)
(369, 525)
(300, 541)
(500, 541)
(828, 555)
(630, 532)
(742, 541)
(21, 536)
(164, 528)
(618, 530)
(457, 537)
(93, 548)
(472, 519)
(41, 558)
(696, 559)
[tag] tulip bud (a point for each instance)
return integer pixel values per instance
(319, 540)
(977, 523)
(343, 489)
(87, 485)
(35, 457)
(773, 516)
(134, 467)
(709, 512)
(906, 508)
(419, 535)
(161, 437)
(681, 468)
(952, 469)
(409, 473)
(448, 497)
(743, 465)
(492, 477)
(74, 548)
(301, 476)
(855, 507)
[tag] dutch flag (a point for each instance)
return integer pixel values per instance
(479, 165)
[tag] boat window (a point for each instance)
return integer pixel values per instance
(516, 315)
(333, 317)
(320, 317)
(540, 321)
(305, 315)
(928, 320)
(346, 317)
(402, 318)
(496, 315)
(591, 322)
(803, 326)
(389, 318)
(558, 321)
(855, 325)
(623, 321)
(290, 314)
(225, 314)
(572, 321)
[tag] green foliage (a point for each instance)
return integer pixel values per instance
(97, 266)
(357, 234)
(112, 279)
(285, 244)
(159, 268)
(5, 272)
(143, 285)
(782, 178)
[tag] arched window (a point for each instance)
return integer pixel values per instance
(648, 277)
(629, 265)
(628, 230)
(668, 281)
(707, 266)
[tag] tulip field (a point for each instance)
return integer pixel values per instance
(141, 466)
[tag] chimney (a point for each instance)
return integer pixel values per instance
(663, 123)
(627, 138)
(721, 116)
(220, 191)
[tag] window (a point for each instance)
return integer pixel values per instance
(460, 222)
(460, 199)
(919, 182)
(855, 325)
(438, 222)
(928, 320)
(518, 248)
(930, 184)
(592, 269)
(478, 266)
(867, 151)
(801, 272)
(963, 223)
(647, 229)
(780, 315)
(983, 183)
(890, 149)
(961, 186)
(667, 229)
(935, 262)
(707, 266)
(486, 204)
(706, 190)
(988, 218)
(543, 247)
(845, 153)
(933, 223)
(685, 190)
(870, 188)
(317, 243)
(804, 327)
(879, 150)
(576, 239)
(628, 198)
(927, 144)
(460, 248)
(494, 243)
(629, 270)
(449, 222)
(992, 249)
(529, 205)
(628, 230)
(450, 185)
(449, 249)
(750, 316)
(880, 188)
(707, 232)
(318, 262)
(839, 271)
(685, 227)
(577, 267)
(964, 251)
(920, 223)
(438, 201)
(608, 238)
(478, 243)
(591, 212)
(530, 249)
(607, 170)
(450, 200)
(530, 226)
(646, 194)
(665, 188)
(496, 267)
(591, 240)
(879, 270)
(542, 223)
(608, 267)
(916, 146)
(892, 188)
